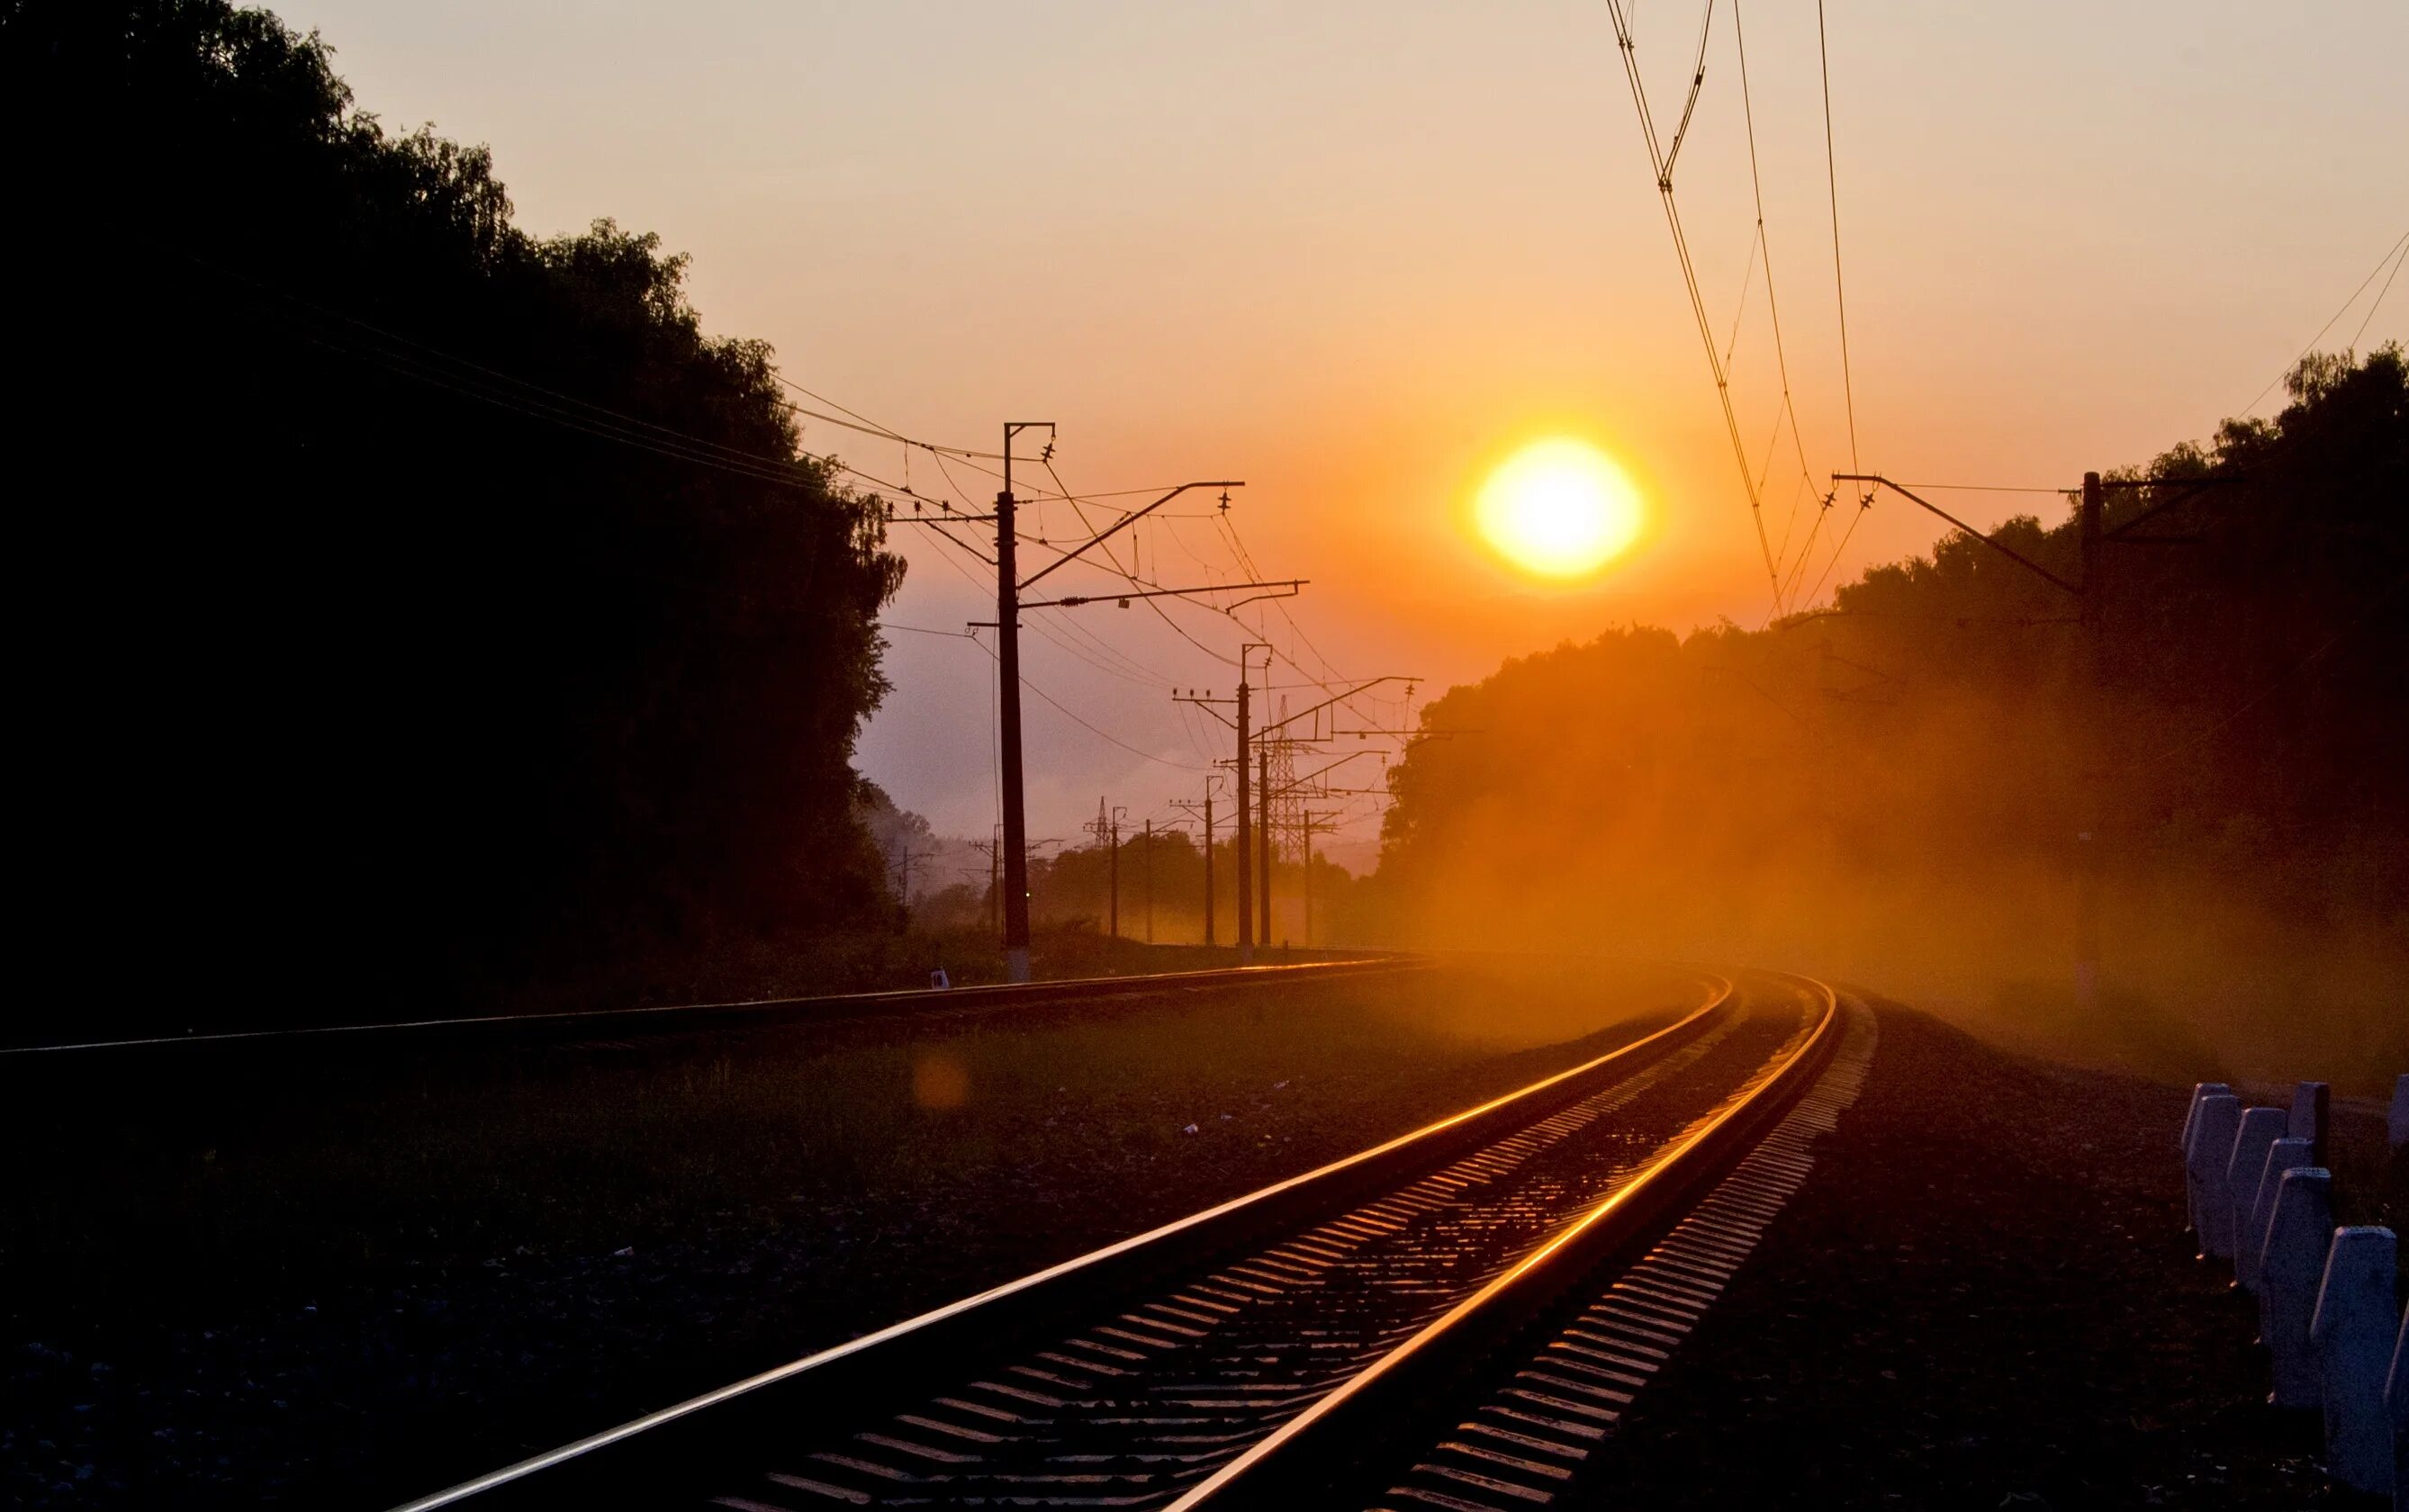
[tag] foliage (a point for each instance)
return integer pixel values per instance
(1903, 777)
(355, 673)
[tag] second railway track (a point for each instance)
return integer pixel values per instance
(1250, 1353)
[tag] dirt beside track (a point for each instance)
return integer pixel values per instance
(341, 1289)
(1984, 1298)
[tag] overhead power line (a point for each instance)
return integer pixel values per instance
(2378, 304)
(1832, 182)
(1659, 164)
(2392, 254)
(1763, 243)
(1090, 727)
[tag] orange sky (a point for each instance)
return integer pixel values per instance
(1354, 253)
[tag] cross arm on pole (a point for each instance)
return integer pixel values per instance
(1074, 601)
(1336, 698)
(1997, 545)
(1120, 525)
(1319, 771)
(1206, 703)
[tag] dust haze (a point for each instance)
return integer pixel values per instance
(1895, 791)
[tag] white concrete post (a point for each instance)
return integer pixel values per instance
(2308, 1121)
(2352, 1332)
(2260, 1127)
(2212, 1145)
(2396, 1407)
(2288, 1274)
(2191, 1114)
(2191, 1121)
(2286, 1153)
(2396, 1127)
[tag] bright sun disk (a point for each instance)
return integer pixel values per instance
(1559, 508)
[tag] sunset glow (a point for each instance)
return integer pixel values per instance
(1558, 508)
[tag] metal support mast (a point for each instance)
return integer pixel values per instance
(2089, 855)
(1008, 671)
(2090, 595)
(1205, 812)
(1264, 835)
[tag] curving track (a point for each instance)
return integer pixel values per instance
(1277, 1350)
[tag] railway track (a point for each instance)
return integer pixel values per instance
(1328, 1337)
(608, 1026)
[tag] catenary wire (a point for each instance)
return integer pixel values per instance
(2390, 252)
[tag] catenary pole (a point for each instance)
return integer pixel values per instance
(2090, 594)
(1244, 844)
(2089, 859)
(1204, 811)
(1263, 839)
(1007, 635)
(1208, 863)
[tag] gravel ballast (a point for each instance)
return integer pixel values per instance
(1983, 1297)
(341, 1286)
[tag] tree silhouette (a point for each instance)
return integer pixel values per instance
(366, 652)
(1899, 776)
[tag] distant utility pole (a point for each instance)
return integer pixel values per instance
(1314, 824)
(2090, 595)
(2089, 857)
(1146, 865)
(994, 851)
(1008, 671)
(1263, 830)
(1266, 792)
(1207, 817)
(1009, 585)
(1300, 791)
(903, 865)
(1245, 841)
(1107, 831)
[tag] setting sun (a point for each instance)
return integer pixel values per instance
(1559, 508)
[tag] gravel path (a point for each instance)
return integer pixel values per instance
(1982, 1297)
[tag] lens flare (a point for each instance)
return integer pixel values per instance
(1558, 508)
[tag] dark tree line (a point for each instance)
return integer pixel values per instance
(1898, 784)
(365, 664)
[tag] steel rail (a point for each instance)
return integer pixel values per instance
(1305, 1462)
(894, 1362)
(683, 1018)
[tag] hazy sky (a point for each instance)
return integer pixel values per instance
(1355, 254)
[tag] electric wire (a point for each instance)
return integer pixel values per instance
(1069, 713)
(2390, 252)
(2369, 316)
(1092, 728)
(1773, 300)
(1863, 510)
(1697, 84)
(1154, 604)
(1840, 289)
(1690, 281)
